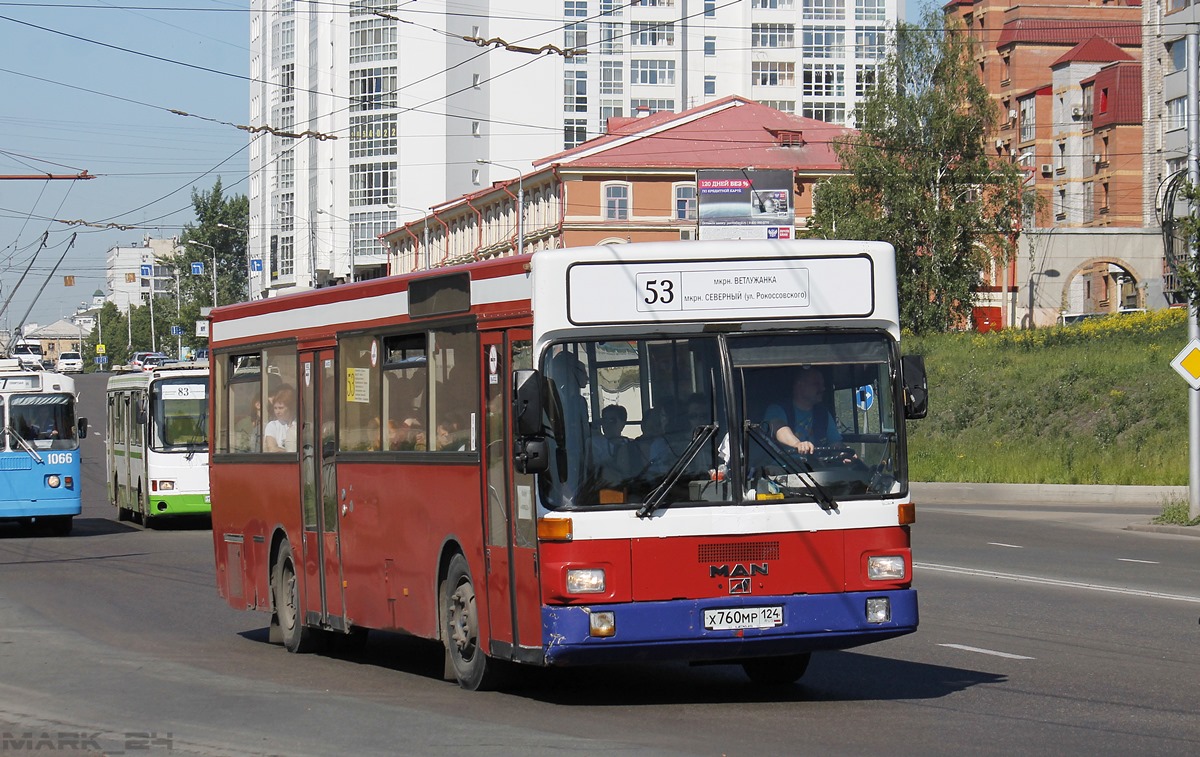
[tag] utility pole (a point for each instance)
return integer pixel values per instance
(1192, 50)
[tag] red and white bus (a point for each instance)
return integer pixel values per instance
(447, 473)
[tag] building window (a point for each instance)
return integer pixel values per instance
(824, 42)
(610, 38)
(612, 79)
(773, 4)
(685, 202)
(1060, 156)
(287, 169)
(611, 109)
(710, 8)
(823, 80)
(650, 105)
(710, 46)
(654, 3)
(773, 73)
(1089, 200)
(710, 85)
(616, 202)
(611, 7)
(365, 229)
(575, 8)
(787, 106)
(372, 39)
(373, 136)
(1060, 204)
(864, 78)
(287, 82)
(651, 33)
(286, 205)
(870, 10)
(830, 112)
(652, 72)
(869, 43)
(1176, 113)
(574, 132)
(823, 10)
(287, 255)
(372, 89)
(285, 42)
(575, 91)
(773, 35)
(1028, 128)
(575, 38)
(372, 184)
(1176, 56)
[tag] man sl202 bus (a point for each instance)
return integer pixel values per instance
(39, 458)
(158, 442)
(571, 457)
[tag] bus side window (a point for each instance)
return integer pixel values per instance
(359, 422)
(455, 391)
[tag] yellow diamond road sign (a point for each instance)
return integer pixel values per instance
(1187, 363)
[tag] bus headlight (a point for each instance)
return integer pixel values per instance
(879, 610)
(53, 481)
(585, 581)
(602, 623)
(885, 568)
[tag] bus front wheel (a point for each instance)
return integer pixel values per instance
(285, 591)
(460, 630)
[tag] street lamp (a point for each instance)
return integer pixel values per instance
(249, 265)
(520, 201)
(425, 212)
(1050, 273)
(214, 257)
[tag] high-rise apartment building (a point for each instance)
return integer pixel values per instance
(368, 113)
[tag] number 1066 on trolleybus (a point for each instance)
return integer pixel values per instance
(657, 451)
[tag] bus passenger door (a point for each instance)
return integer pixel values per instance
(514, 599)
(322, 545)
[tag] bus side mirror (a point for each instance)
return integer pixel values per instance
(531, 455)
(141, 412)
(82, 428)
(527, 403)
(916, 389)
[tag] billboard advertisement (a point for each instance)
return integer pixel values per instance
(745, 204)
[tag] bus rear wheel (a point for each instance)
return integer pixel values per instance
(777, 671)
(285, 593)
(460, 631)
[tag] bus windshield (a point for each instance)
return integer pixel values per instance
(799, 417)
(45, 421)
(180, 415)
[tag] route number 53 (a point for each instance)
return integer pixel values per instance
(658, 291)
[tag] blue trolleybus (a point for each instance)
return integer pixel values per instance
(39, 460)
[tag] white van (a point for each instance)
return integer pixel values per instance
(29, 353)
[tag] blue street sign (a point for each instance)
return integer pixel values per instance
(177, 331)
(147, 270)
(197, 268)
(864, 397)
(101, 359)
(255, 265)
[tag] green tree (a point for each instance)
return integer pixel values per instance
(1187, 267)
(220, 230)
(920, 175)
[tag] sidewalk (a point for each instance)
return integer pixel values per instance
(1141, 499)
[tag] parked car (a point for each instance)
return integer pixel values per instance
(69, 362)
(150, 362)
(139, 359)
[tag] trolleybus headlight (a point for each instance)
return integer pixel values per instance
(53, 481)
(585, 581)
(603, 623)
(879, 610)
(885, 568)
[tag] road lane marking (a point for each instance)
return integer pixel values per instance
(993, 652)
(1054, 582)
(1002, 544)
(1143, 562)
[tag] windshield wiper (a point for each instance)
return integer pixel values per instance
(655, 498)
(20, 440)
(812, 488)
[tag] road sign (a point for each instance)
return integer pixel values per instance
(197, 268)
(256, 265)
(177, 331)
(147, 270)
(100, 349)
(1187, 363)
(101, 359)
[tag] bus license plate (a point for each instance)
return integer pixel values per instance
(735, 618)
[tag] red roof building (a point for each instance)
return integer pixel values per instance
(635, 183)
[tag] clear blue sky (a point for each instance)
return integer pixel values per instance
(87, 85)
(99, 104)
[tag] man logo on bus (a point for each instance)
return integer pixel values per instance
(740, 586)
(737, 570)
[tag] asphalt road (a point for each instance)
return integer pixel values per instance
(1047, 628)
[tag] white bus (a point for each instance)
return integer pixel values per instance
(157, 442)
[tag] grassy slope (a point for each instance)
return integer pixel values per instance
(1094, 403)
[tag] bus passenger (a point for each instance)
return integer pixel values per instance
(247, 429)
(612, 453)
(280, 434)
